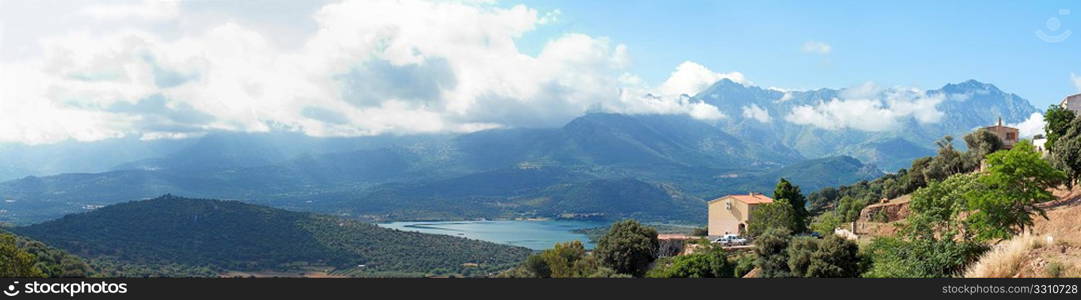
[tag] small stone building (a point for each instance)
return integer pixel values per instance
(1008, 135)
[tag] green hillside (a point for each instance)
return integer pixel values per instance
(174, 236)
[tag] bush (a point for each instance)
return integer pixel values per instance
(826, 223)
(710, 263)
(628, 247)
(743, 264)
(800, 251)
(920, 258)
(771, 252)
(834, 257)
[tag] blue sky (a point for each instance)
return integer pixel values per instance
(912, 43)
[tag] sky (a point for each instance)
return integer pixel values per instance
(93, 70)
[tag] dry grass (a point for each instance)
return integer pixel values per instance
(1006, 258)
(1051, 249)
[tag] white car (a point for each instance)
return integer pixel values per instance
(730, 240)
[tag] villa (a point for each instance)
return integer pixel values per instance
(730, 214)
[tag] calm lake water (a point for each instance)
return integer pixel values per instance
(535, 235)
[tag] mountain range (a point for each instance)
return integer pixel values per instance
(650, 167)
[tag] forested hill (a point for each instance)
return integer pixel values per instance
(175, 236)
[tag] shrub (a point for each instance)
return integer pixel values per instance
(834, 257)
(771, 252)
(710, 263)
(628, 247)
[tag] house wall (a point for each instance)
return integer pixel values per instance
(724, 221)
(1072, 103)
(1008, 135)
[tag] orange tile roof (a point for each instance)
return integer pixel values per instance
(749, 198)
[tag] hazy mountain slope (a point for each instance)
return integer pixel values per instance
(964, 106)
(812, 175)
(212, 235)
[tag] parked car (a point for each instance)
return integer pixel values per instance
(810, 234)
(730, 240)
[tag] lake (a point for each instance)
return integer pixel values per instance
(537, 235)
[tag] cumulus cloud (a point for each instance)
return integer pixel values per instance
(817, 47)
(147, 10)
(869, 108)
(689, 78)
(753, 111)
(1030, 127)
(368, 67)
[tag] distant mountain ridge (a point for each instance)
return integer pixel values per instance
(674, 162)
(964, 106)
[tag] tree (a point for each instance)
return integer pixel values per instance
(1016, 181)
(785, 190)
(1057, 121)
(826, 222)
(537, 265)
(937, 208)
(946, 163)
(800, 250)
(15, 262)
(834, 257)
(710, 262)
(849, 208)
(628, 247)
(980, 143)
(779, 214)
(1066, 151)
(771, 252)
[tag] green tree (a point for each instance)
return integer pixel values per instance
(937, 208)
(849, 208)
(710, 262)
(980, 143)
(771, 252)
(1056, 122)
(537, 266)
(564, 260)
(15, 262)
(834, 257)
(1016, 181)
(786, 190)
(779, 214)
(800, 250)
(826, 222)
(1066, 151)
(628, 247)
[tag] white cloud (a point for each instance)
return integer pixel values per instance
(869, 108)
(1031, 126)
(690, 78)
(369, 67)
(1076, 81)
(753, 111)
(146, 10)
(817, 47)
